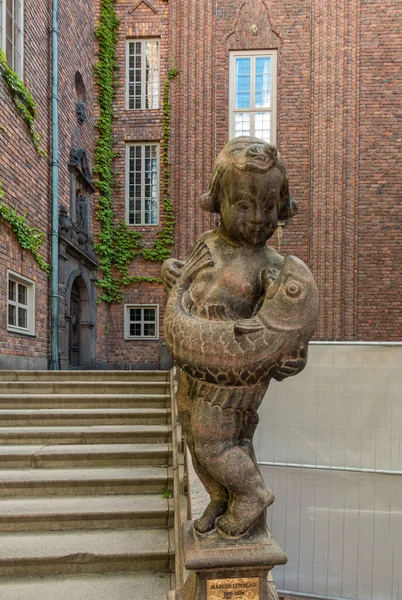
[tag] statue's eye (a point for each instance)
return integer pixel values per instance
(293, 289)
(269, 207)
(243, 206)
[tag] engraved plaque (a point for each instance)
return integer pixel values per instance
(246, 588)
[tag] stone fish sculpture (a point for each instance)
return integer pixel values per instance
(238, 315)
(246, 351)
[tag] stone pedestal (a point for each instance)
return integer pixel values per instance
(229, 569)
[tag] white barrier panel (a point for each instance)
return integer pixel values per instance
(330, 446)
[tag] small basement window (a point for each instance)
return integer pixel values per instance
(141, 322)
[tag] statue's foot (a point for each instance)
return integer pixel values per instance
(214, 509)
(242, 513)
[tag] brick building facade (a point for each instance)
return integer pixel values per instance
(141, 21)
(337, 125)
(26, 176)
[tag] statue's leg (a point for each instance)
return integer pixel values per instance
(217, 438)
(219, 496)
(247, 433)
(217, 492)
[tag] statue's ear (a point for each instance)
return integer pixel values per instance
(208, 203)
(288, 210)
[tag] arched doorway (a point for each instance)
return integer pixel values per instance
(74, 344)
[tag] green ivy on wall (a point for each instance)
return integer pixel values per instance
(164, 239)
(29, 238)
(118, 245)
(23, 101)
(107, 34)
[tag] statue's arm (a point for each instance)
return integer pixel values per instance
(170, 272)
(293, 364)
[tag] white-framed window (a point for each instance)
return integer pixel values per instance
(142, 74)
(20, 304)
(142, 184)
(252, 94)
(141, 321)
(11, 33)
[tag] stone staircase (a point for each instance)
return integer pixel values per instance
(85, 479)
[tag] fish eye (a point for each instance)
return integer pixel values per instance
(293, 289)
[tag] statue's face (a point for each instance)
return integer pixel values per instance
(249, 206)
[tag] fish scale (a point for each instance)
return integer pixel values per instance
(248, 349)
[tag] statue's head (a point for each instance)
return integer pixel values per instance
(245, 155)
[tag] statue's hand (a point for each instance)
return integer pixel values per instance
(292, 364)
(170, 272)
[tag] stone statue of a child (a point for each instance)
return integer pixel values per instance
(249, 189)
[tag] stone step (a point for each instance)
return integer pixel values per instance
(51, 553)
(107, 434)
(84, 477)
(83, 512)
(33, 376)
(47, 401)
(84, 387)
(81, 455)
(127, 586)
(81, 416)
(80, 482)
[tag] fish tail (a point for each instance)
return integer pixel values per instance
(198, 259)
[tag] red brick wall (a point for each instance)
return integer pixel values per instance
(334, 165)
(76, 53)
(25, 180)
(25, 176)
(379, 298)
(195, 118)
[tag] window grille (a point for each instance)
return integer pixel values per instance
(142, 184)
(142, 74)
(141, 322)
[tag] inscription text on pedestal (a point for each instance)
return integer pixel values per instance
(247, 588)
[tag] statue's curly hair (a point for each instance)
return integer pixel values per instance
(248, 154)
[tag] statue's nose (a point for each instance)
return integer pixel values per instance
(256, 217)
